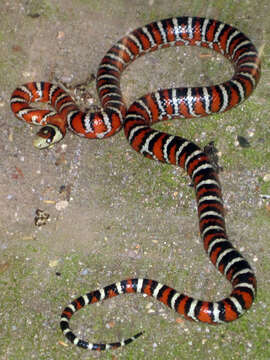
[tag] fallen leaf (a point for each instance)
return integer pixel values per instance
(4, 267)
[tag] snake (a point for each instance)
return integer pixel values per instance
(137, 121)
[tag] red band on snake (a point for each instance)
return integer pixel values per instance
(154, 107)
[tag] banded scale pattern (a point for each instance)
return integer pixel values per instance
(179, 151)
(154, 107)
(194, 102)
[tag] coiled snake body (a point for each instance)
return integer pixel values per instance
(151, 108)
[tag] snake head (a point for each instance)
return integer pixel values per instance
(47, 136)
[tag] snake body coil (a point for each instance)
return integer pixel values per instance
(151, 108)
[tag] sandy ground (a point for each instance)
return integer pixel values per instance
(124, 215)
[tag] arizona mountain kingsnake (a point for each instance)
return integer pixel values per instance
(151, 108)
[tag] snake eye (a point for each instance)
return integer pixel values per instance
(47, 136)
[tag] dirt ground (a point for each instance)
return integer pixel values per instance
(114, 214)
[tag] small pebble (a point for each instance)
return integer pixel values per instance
(61, 205)
(149, 305)
(53, 263)
(266, 178)
(84, 272)
(60, 35)
(243, 142)
(26, 74)
(63, 147)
